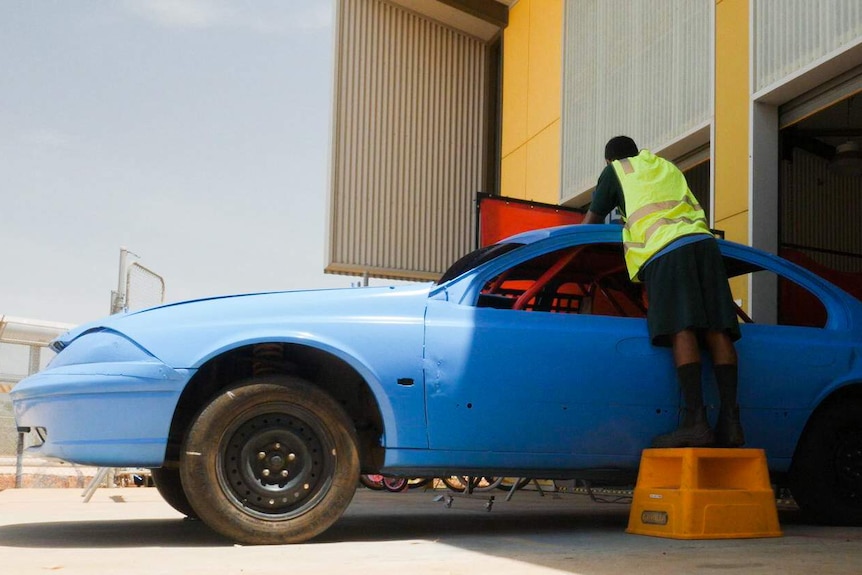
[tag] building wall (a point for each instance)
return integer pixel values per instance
(794, 34)
(530, 139)
(687, 75)
(409, 142)
(731, 126)
(635, 68)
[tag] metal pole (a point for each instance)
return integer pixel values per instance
(19, 464)
(101, 474)
(120, 302)
(35, 359)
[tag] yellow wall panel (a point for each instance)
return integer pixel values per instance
(736, 229)
(532, 76)
(513, 174)
(732, 106)
(543, 166)
(515, 77)
(546, 65)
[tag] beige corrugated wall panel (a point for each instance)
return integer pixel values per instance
(792, 34)
(640, 68)
(817, 210)
(408, 142)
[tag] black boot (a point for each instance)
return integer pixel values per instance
(728, 430)
(693, 431)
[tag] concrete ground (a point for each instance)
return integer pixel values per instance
(131, 531)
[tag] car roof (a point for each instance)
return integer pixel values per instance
(613, 233)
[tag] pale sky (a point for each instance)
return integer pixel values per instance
(196, 133)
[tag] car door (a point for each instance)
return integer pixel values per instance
(788, 359)
(569, 378)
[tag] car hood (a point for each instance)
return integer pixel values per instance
(185, 334)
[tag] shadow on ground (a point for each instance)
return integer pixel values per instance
(371, 518)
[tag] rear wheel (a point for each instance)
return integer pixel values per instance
(372, 481)
(826, 475)
(270, 461)
(395, 484)
(169, 486)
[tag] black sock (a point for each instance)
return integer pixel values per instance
(727, 378)
(689, 382)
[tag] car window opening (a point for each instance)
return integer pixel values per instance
(588, 279)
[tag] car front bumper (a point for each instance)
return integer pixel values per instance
(107, 414)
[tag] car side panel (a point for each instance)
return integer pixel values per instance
(507, 381)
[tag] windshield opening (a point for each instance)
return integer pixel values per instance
(475, 259)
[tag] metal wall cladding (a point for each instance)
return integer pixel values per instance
(408, 142)
(635, 68)
(791, 34)
(820, 212)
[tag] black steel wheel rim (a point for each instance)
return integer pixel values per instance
(276, 465)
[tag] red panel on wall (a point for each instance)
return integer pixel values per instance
(501, 217)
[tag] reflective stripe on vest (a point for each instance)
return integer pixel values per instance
(659, 205)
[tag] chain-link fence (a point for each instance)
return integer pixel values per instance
(144, 287)
(8, 435)
(139, 286)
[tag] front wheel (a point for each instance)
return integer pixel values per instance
(169, 486)
(270, 461)
(826, 475)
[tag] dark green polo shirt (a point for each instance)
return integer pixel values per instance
(608, 194)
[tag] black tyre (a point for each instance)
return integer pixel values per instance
(270, 461)
(169, 486)
(460, 483)
(518, 483)
(374, 482)
(395, 484)
(417, 482)
(826, 475)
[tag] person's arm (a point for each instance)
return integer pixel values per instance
(604, 198)
(592, 217)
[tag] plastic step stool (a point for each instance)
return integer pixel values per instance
(703, 493)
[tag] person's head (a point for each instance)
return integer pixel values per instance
(620, 147)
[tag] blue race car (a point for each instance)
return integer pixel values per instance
(529, 358)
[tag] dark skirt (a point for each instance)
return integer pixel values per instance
(687, 288)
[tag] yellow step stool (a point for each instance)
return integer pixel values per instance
(703, 493)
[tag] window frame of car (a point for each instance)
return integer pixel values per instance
(830, 296)
(465, 289)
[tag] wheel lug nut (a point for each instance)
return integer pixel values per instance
(291, 456)
(261, 455)
(284, 473)
(278, 446)
(265, 472)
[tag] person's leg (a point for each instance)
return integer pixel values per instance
(694, 430)
(728, 430)
(721, 348)
(685, 347)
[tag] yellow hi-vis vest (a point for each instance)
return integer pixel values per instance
(659, 207)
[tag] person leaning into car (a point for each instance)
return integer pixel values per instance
(668, 247)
